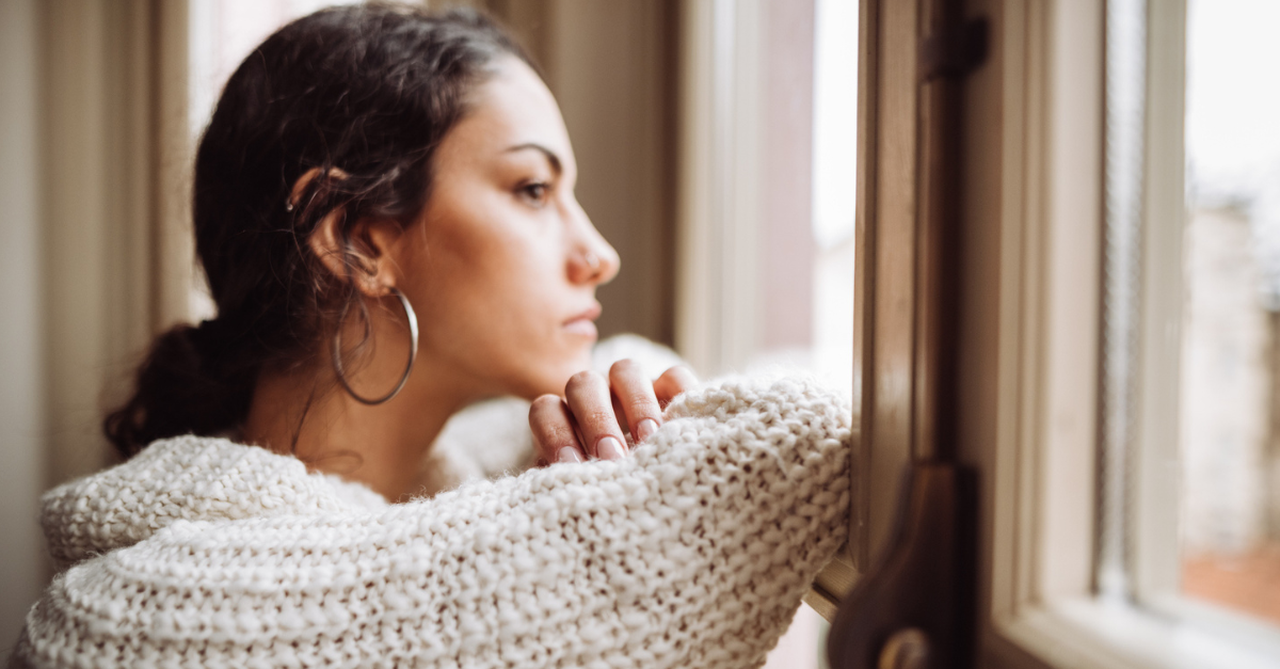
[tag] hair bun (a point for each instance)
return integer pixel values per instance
(183, 387)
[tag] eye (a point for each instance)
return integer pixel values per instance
(534, 192)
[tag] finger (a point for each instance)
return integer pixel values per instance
(673, 382)
(635, 395)
(587, 395)
(553, 432)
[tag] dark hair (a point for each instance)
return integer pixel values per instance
(362, 93)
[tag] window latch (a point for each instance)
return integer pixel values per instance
(910, 610)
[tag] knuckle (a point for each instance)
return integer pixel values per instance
(623, 367)
(598, 420)
(680, 373)
(556, 435)
(642, 406)
(544, 404)
(582, 380)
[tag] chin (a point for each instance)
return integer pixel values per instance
(554, 380)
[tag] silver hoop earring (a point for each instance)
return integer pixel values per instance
(413, 352)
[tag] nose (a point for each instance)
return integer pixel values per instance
(591, 259)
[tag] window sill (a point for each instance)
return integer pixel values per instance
(833, 583)
(1087, 632)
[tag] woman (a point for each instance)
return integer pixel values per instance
(384, 209)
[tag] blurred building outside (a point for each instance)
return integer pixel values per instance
(1230, 414)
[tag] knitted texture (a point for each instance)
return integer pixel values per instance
(694, 552)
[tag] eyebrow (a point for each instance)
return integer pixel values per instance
(551, 156)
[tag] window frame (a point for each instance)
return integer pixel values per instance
(888, 350)
(1034, 140)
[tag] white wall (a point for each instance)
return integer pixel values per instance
(22, 408)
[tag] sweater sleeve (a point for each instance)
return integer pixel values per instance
(694, 552)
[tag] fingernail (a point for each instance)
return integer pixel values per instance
(609, 448)
(568, 454)
(645, 429)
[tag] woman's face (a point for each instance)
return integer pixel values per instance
(503, 267)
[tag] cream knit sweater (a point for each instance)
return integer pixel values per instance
(694, 552)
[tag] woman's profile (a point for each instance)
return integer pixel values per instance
(384, 209)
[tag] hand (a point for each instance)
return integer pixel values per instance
(585, 422)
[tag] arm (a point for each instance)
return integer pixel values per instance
(694, 552)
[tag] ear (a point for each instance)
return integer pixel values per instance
(364, 257)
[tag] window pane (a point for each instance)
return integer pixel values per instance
(1230, 428)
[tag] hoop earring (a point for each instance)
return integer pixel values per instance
(413, 352)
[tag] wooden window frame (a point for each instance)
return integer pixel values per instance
(1028, 333)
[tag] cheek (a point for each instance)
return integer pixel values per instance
(509, 270)
(490, 279)
(495, 291)
(485, 230)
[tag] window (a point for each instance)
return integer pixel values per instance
(1132, 381)
(1229, 529)
(1112, 335)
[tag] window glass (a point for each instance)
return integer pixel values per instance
(1230, 390)
(808, 248)
(835, 165)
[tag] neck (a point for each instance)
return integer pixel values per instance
(309, 415)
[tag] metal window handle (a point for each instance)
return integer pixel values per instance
(911, 608)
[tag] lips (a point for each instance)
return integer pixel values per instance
(583, 323)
